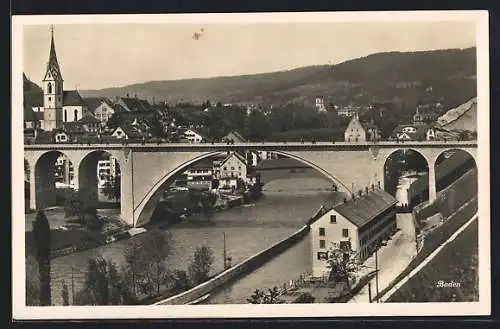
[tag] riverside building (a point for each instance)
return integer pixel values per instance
(359, 224)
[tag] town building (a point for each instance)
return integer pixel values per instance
(107, 169)
(359, 225)
(194, 136)
(232, 171)
(59, 105)
(424, 114)
(414, 132)
(348, 111)
(234, 137)
(101, 107)
(90, 123)
(357, 131)
(200, 175)
(32, 119)
(320, 105)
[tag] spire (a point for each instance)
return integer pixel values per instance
(53, 65)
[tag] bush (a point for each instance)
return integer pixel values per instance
(305, 298)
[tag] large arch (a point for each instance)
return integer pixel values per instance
(89, 179)
(451, 164)
(407, 181)
(47, 172)
(146, 206)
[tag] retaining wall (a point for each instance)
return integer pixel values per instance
(244, 267)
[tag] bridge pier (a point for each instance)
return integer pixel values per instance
(126, 188)
(432, 182)
(32, 182)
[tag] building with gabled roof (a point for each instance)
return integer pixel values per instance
(414, 132)
(359, 224)
(235, 137)
(357, 131)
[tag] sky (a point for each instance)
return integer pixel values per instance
(95, 56)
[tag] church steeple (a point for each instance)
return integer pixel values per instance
(52, 90)
(53, 71)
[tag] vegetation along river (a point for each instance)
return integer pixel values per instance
(285, 206)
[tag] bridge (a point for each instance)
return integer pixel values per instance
(145, 168)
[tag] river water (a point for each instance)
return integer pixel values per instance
(285, 206)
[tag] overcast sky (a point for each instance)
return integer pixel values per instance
(101, 56)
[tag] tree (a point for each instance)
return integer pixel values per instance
(83, 204)
(134, 263)
(103, 285)
(41, 232)
(32, 282)
(180, 281)
(257, 126)
(260, 297)
(65, 293)
(112, 187)
(342, 264)
(257, 297)
(200, 267)
(155, 250)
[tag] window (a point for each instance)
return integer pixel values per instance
(322, 256)
(65, 116)
(321, 231)
(232, 168)
(239, 168)
(322, 243)
(333, 219)
(50, 89)
(345, 232)
(75, 115)
(225, 168)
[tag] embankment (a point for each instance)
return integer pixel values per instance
(232, 273)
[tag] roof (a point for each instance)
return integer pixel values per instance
(44, 137)
(72, 98)
(135, 104)
(89, 119)
(196, 131)
(369, 125)
(361, 210)
(237, 135)
(94, 102)
(53, 65)
(202, 164)
(239, 156)
(74, 127)
(421, 130)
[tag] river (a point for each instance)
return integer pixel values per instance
(285, 206)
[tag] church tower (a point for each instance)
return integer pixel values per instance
(52, 91)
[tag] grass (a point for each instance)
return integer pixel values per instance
(436, 238)
(63, 239)
(457, 262)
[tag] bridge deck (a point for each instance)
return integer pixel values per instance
(259, 146)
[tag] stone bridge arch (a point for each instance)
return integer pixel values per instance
(145, 206)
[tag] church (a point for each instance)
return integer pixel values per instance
(59, 105)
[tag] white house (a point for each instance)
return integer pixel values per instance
(194, 136)
(359, 225)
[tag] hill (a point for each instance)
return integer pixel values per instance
(398, 77)
(460, 118)
(32, 93)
